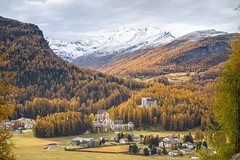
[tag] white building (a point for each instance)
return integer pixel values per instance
(96, 125)
(117, 125)
(114, 138)
(85, 142)
(186, 151)
(105, 124)
(136, 138)
(130, 126)
(104, 137)
(167, 142)
(123, 141)
(148, 101)
(102, 115)
(173, 153)
(188, 145)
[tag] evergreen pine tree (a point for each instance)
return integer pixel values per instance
(225, 138)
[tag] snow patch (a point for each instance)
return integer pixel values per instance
(199, 35)
(124, 39)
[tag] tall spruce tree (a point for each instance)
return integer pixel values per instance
(225, 138)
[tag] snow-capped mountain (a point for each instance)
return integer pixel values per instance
(71, 50)
(195, 36)
(122, 40)
(199, 35)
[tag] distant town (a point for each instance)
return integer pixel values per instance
(171, 145)
(148, 145)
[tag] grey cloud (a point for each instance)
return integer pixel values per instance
(72, 19)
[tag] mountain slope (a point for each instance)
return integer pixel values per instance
(39, 73)
(197, 51)
(121, 40)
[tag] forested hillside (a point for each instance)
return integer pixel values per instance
(179, 108)
(180, 55)
(39, 73)
(48, 85)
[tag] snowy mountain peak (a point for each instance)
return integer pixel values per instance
(125, 39)
(198, 35)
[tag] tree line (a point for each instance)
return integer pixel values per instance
(178, 108)
(62, 124)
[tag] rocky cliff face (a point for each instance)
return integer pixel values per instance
(15, 31)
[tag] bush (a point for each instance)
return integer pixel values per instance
(153, 150)
(188, 138)
(164, 151)
(102, 142)
(133, 148)
(145, 152)
(205, 144)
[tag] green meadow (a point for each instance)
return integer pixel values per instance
(29, 147)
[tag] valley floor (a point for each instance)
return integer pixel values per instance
(29, 147)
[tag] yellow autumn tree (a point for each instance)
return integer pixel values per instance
(6, 109)
(225, 138)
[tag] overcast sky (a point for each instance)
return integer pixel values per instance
(72, 20)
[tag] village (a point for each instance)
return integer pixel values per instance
(18, 125)
(171, 145)
(117, 133)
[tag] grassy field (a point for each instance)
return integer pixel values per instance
(179, 77)
(164, 133)
(30, 148)
(173, 78)
(121, 148)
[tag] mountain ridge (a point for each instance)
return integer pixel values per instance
(176, 56)
(205, 49)
(41, 74)
(125, 39)
(196, 51)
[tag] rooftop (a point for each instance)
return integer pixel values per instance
(174, 151)
(118, 121)
(151, 99)
(101, 111)
(82, 139)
